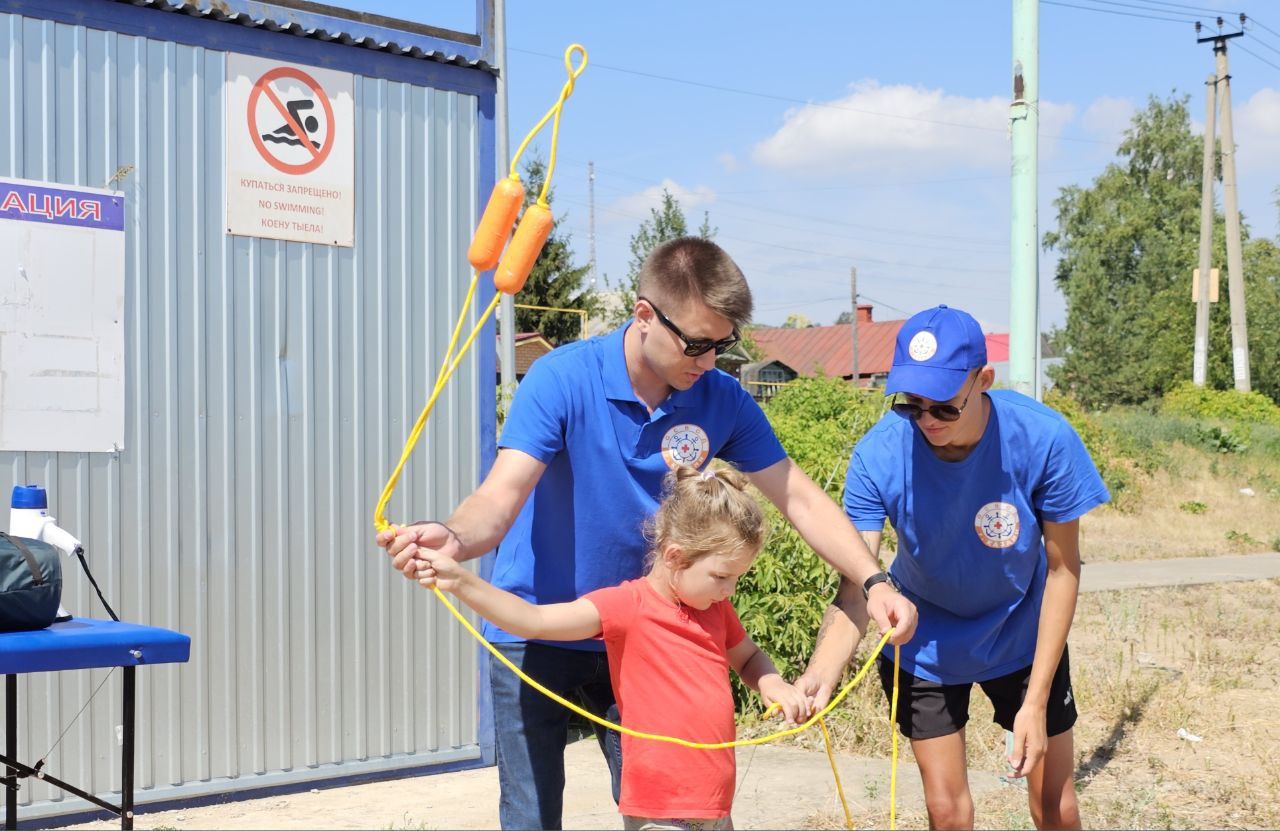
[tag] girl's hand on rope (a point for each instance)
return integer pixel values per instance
(437, 569)
(817, 688)
(406, 544)
(795, 705)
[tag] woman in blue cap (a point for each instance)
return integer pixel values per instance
(985, 489)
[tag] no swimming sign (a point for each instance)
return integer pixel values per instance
(290, 152)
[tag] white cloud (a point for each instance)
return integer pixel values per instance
(1256, 125)
(897, 128)
(1108, 117)
(636, 206)
(729, 162)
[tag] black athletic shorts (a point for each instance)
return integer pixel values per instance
(927, 710)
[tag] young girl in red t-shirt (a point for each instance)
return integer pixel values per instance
(671, 637)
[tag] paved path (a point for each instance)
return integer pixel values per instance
(1186, 571)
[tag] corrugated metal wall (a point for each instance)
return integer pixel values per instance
(269, 389)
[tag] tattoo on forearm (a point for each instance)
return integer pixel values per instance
(828, 617)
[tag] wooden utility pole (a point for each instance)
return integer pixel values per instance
(853, 300)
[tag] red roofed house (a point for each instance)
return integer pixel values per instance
(530, 346)
(828, 350)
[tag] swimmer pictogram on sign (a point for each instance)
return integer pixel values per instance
(283, 121)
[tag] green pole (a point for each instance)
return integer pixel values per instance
(1024, 130)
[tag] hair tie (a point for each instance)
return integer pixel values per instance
(708, 473)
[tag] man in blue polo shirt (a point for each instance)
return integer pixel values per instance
(592, 430)
(985, 489)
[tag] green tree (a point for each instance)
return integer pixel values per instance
(1262, 309)
(1128, 244)
(795, 320)
(844, 317)
(666, 222)
(554, 281)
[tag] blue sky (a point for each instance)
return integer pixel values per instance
(826, 135)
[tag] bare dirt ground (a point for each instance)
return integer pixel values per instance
(779, 787)
(1178, 728)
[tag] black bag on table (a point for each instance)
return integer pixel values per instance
(30, 583)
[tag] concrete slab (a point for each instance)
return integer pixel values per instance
(1186, 571)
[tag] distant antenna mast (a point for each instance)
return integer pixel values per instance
(591, 218)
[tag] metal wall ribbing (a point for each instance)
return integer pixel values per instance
(269, 388)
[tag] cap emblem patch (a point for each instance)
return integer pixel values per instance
(923, 346)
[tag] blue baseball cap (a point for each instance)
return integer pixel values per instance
(934, 353)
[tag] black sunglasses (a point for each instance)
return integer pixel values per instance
(693, 347)
(942, 412)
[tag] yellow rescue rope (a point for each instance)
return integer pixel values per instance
(450, 364)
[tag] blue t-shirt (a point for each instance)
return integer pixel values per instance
(970, 551)
(582, 528)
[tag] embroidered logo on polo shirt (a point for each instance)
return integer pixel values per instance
(997, 524)
(923, 346)
(685, 444)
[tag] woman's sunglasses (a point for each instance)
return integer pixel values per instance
(942, 412)
(693, 347)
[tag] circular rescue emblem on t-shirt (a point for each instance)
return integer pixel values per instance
(685, 444)
(997, 524)
(922, 346)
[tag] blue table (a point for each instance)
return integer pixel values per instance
(81, 643)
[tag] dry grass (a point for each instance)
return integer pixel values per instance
(1145, 664)
(1166, 524)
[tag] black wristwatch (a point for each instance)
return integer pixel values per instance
(875, 579)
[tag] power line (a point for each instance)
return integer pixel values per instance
(761, 222)
(809, 218)
(790, 100)
(1189, 18)
(1258, 39)
(836, 222)
(817, 253)
(1255, 21)
(1179, 6)
(1262, 42)
(862, 296)
(972, 240)
(912, 183)
(1259, 57)
(861, 258)
(1113, 11)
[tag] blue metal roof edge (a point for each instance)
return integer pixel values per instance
(330, 24)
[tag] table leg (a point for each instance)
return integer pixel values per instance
(126, 756)
(11, 751)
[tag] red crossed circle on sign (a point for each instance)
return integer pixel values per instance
(263, 87)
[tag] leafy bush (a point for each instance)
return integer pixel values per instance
(782, 598)
(1242, 538)
(1193, 507)
(1117, 458)
(1219, 440)
(1226, 405)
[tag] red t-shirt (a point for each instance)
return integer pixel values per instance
(670, 670)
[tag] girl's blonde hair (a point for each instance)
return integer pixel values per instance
(705, 512)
